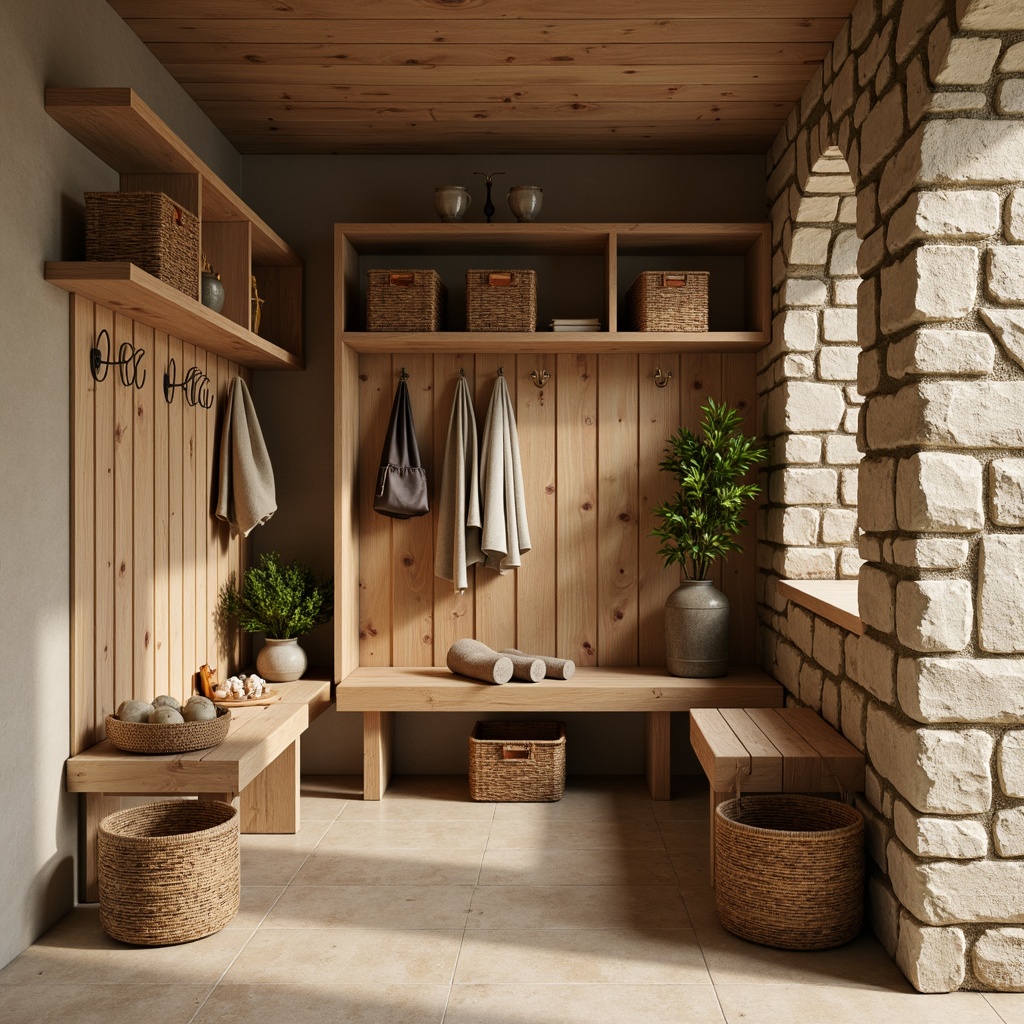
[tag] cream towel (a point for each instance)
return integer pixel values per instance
(458, 507)
(506, 534)
(246, 498)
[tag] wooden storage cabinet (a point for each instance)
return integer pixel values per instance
(584, 270)
(124, 132)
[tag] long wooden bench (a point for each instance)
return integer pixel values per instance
(379, 692)
(771, 750)
(256, 768)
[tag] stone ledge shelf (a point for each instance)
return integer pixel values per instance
(835, 600)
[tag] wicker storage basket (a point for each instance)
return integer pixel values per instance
(404, 300)
(171, 738)
(669, 301)
(789, 870)
(501, 300)
(517, 761)
(148, 229)
(169, 872)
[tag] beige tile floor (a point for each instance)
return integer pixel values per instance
(426, 908)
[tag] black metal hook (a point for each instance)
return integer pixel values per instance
(403, 376)
(195, 387)
(129, 359)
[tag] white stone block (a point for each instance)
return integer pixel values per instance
(816, 209)
(1010, 764)
(939, 492)
(795, 367)
(933, 282)
(982, 15)
(1010, 97)
(916, 19)
(1008, 327)
(802, 291)
(869, 371)
(957, 102)
(957, 892)
(811, 680)
(871, 252)
(795, 330)
(805, 408)
(809, 247)
(964, 61)
(1005, 274)
(876, 597)
(793, 525)
(828, 646)
(851, 420)
(839, 526)
(998, 959)
(1001, 597)
(933, 959)
(971, 151)
(930, 552)
(798, 448)
(874, 667)
(805, 563)
(944, 214)
(951, 690)
(938, 771)
(848, 208)
(877, 483)
(883, 912)
(849, 563)
(929, 350)
(799, 486)
(967, 414)
(848, 486)
(844, 291)
(877, 832)
(843, 262)
(840, 325)
(948, 838)
(1014, 220)
(841, 450)
(883, 129)
(1008, 832)
(1006, 491)
(787, 666)
(934, 615)
(867, 312)
(801, 627)
(853, 701)
(1013, 59)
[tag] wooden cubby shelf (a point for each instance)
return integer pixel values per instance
(585, 271)
(124, 132)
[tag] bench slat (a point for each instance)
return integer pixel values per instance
(765, 760)
(845, 760)
(721, 754)
(801, 766)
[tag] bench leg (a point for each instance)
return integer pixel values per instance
(270, 803)
(658, 753)
(716, 799)
(378, 731)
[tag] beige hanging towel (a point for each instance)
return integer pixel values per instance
(506, 534)
(247, 498)
(458, 504)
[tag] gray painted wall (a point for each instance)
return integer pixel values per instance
(302, 198)
(43, 173)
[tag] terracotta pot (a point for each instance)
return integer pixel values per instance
(281, 661)
(697, 630)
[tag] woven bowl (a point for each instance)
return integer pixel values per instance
(169, 738)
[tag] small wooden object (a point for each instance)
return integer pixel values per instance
(476, 660)
(554, 668)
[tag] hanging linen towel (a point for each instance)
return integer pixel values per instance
(506, 534)
(401, 481)
(458, 512)
(247, 498)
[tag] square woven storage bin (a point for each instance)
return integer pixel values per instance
(669, 300)
(501, 300)
(513, 762)
(404, 300)
(148, 229)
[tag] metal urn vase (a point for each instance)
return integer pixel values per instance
(697, 630)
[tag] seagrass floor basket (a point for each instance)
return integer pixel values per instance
(169, 872)
(148, 229)
(404, 300)
(517, 761)
(501, 300)
(789, 870)
(669, 301)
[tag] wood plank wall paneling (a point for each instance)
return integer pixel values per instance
(593, 587)
(149, 558)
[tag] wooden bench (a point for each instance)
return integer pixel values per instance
(379, 692)
(256, 768)
(771, 750)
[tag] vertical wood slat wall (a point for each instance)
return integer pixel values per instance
(593, 586)
(148, 555)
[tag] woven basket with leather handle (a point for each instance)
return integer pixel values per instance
(517, 761)
(404, 300)
(669, 301)
(501, 300)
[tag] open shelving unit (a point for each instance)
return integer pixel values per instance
(117, 126)
(599, 262)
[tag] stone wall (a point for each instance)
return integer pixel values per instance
(915, 112)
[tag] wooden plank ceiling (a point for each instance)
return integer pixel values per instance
(458, 76)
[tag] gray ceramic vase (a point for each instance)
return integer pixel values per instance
(281, 661)
(697, 630)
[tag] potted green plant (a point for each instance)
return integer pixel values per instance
(283, 602)
(699, 524)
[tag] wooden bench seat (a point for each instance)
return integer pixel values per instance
(378, 692)
(771, 750)
(256, 767)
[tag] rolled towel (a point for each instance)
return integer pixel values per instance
(476, 660)
(525, 667)
(554, 668)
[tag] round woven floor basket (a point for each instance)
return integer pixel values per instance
(789, 870)
(168, 737)
(169, 872)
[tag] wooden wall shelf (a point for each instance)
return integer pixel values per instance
(123, 131)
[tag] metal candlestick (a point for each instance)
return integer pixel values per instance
(489, 181)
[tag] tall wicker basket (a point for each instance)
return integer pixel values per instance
(501, 300)
(669, 301)
(148, 229)
(169, 872)
(789, 870)
(517, 761)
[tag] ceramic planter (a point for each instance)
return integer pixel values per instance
(281, 661)
(697, 630)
